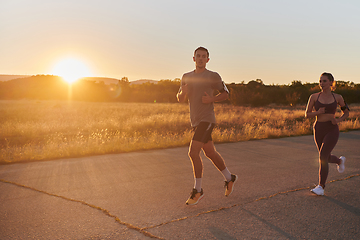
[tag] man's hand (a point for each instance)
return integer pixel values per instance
(207, 98)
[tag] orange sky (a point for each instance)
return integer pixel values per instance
(276, 41)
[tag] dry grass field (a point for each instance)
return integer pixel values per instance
(41, 130)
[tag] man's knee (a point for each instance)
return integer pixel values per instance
(210, 153)
(193, 154)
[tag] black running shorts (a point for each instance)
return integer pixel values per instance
(203, 132)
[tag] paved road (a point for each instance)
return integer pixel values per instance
(142, 195)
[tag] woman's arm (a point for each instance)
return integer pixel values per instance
(309, 107)
(344, 108)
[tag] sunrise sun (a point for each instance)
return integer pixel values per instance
(71, 69)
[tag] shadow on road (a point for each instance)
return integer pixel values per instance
(345, 206)
(285, 234)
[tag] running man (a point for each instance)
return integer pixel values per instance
(199, 86)
(326, 129)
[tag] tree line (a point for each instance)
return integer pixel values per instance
(254, 93)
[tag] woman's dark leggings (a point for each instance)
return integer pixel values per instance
(326, 136)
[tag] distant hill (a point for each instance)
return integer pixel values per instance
(106, 80)
(109, 81)
(98, 89)
(34, 87)
(4, 78)
(141, 81)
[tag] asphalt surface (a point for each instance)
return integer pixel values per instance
(142, 195)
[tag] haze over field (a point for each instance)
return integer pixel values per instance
(4, 78)
(276, 41)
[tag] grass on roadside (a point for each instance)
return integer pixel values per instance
(39, 130)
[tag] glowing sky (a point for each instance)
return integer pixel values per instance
(276, 41)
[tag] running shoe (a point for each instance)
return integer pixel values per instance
(318, 190)
(341, 166)
(229, 186)
(195, 197)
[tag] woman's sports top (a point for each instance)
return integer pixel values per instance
(329, 108)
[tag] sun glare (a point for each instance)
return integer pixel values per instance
(71, 70)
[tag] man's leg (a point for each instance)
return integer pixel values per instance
(218, 161)
(213, 155)
(194, 154)
(202, 132)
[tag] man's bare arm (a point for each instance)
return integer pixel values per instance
(181, 96)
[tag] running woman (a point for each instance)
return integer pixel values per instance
(326, 129)
(199, 86)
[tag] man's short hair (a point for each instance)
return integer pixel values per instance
(202, 48)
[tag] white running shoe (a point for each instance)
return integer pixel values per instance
(318, 190)
(341, 166)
